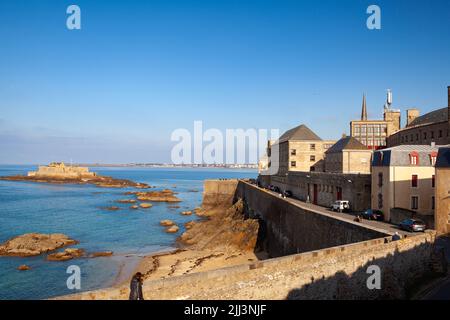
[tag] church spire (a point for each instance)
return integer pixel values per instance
(364, 109)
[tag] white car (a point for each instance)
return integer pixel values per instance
(340, 205)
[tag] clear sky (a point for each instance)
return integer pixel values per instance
(137, 70)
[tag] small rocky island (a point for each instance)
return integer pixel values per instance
(58, 172)
(34, 244)
(165, 195)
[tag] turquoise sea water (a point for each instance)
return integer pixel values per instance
(75, 210)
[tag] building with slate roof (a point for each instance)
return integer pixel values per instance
(403, 178)
(348, 155)
(298, 149)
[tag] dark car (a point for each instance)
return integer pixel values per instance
(413, 225)
(373, 215)
(288, 193)
(276, 189)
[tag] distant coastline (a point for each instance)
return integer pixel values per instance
(169, 165)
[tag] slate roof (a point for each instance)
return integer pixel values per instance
(400, 155)
(438, 115)
(443, 158)
(301, 132)
(347, 143)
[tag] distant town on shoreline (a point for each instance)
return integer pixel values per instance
(171, 165)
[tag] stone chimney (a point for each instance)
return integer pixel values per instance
(411, 114)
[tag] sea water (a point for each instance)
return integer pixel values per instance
(78, 211)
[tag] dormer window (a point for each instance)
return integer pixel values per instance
(414, 158)
(433, 157)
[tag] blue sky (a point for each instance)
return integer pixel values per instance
(137, 70)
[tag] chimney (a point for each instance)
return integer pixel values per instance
(411, 114)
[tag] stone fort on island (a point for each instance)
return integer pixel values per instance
(58, 170)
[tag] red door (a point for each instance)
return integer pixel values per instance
(315, 194)
(338, 193)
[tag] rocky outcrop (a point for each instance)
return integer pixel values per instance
(189, 225)
(172, 229)
(100, 181)
(157, 196)
(227, 226)
(126, 201)
(186, 213)
(112, 208)
(166, 223)
(23, 267)
(145, 205)
(134, 207)
(33, 244)
(101, 254)
(67, 254)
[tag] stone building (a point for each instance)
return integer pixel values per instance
(442, 212)
(431, 127)
(323, 188)
(58, 170)
(348, 155)
(403, 182)
(302, 162)
(373, 133)
(299, 149)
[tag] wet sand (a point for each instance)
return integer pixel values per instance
(186, 261)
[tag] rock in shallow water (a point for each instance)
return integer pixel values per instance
(101, 254)
(23, 267)
(126, 201)
(166, 223)
(33, 244)
(172, 229)
(65, 255)
(145, 205)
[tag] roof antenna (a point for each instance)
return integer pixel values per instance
(387, 105)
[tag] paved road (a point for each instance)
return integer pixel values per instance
(384, 226)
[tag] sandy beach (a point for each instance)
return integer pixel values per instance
(221, 238)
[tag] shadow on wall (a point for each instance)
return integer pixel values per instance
(398, 276)
(402, 200)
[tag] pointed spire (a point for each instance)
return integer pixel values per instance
(364, 109)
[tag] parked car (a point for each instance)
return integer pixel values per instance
(371, 214)
(276, 189)
(413, 225)
(287, 193)
(341, 206)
